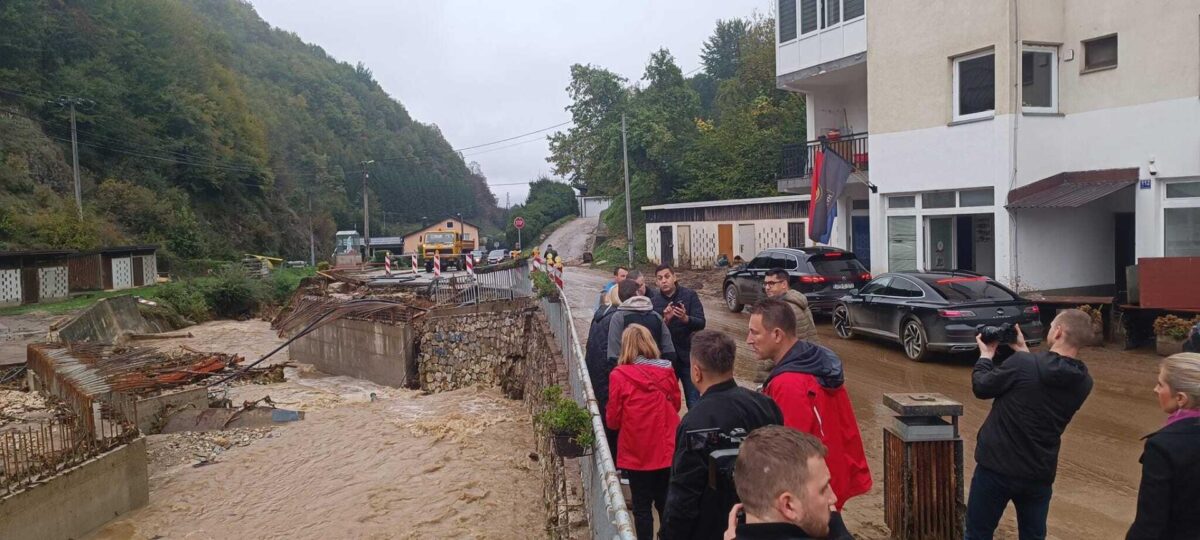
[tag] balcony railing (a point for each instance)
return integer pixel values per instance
(797, 159)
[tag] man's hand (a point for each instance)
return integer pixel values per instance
(731, 528)
(681, 314)
(1019, 345)
(986, 350)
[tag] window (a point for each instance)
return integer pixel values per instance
(975, 86)
(976, 197)
(1039, 79)
(904, 288)
(833, 12)
(970, 288)
(1182, 232)
(808, 16)
(790, 263)
(938, 199)
(902, 201)
(1181, 190)
(902, 243)
(762, 262)
(852, 9)
(795, 234)
(1100, 53)
(860, 204)
(787, 20)
(837, 267)
(877, 286)
(449, 224)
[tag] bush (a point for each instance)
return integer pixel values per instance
(1176, 328)
(543, 286)
(323, 266)
(565, 417)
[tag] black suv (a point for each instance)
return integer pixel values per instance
(823, 274)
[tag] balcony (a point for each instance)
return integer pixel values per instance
(796, 161)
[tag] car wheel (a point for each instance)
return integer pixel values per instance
(731, 299)
(914, 340)
(841, 323)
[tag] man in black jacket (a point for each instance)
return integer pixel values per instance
(697, 503)
(1016, 453)
(637, 309)
(684, 313)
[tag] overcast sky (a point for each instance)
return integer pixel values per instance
(488, 70)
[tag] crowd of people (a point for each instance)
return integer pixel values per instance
(782, 461)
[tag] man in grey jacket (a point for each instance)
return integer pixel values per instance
(777, 284)
(635, 309)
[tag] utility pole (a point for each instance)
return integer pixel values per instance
(312, 235)
(71, 102)
(366, 214)
(628, 212)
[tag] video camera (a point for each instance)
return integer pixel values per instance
(721, 451)
(1004, 333)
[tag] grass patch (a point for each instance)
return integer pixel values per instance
(78, 301)
(614, 252)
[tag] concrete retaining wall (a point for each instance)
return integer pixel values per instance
(378, 352)
(80, 499)
(108, 321)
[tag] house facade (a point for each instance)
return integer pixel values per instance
(1046, 143)
(697, 234)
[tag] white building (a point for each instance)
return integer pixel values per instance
(695, 235)
(1047, 143)
(590, 207)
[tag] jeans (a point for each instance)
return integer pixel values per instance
(990, 493)
(649, 488)
(683, 370)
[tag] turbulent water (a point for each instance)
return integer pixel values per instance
(399, 465)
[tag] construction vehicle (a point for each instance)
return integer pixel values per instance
(450, 247)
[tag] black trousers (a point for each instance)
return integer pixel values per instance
(649, 488)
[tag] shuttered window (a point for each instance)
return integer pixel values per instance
(808, 16)
(787, 20)
(852, 9)
(833, 12)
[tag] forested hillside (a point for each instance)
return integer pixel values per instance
(205, 130)
(717, 134)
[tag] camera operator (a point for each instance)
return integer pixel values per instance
(697, 503)
(1034, 397)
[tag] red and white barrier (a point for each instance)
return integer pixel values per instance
(387, 266)
(414, 264)
(470, 264)
(437, 265)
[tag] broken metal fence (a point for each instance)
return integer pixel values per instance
(605, 502)
(484, 286)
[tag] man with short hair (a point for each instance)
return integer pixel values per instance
(778, 285)
(784, 485)
(1034, 395)
(684, 313)
(551, 252)
(808, 384)
(697, 501)
(619, 274)
(637, 309)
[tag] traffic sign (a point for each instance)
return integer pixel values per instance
(519, 223)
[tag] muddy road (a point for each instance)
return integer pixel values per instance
(1096, 491)
(571, 239)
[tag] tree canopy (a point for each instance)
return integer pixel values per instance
(715, 135)
(206, 130)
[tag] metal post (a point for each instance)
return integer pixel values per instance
(75, 163)
(628, 212)
(366, 214)
(312, 238)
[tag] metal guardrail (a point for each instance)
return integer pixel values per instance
(484, 286)
(607, 514)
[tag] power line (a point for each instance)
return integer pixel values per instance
(513, 137)
(502, 147)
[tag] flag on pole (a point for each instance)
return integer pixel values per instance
(414, 263)
(437, 265)
(830, 173)
(470, 264)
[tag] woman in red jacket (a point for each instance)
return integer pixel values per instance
(643, 405)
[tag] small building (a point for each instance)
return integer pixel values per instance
(31, 276)
(413, 240)
(590, 207)
(125, 267)
(394, 244)
(695, 235)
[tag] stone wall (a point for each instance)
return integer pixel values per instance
(484, 344)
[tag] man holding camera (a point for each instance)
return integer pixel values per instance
(1034, 397)
(701, 491)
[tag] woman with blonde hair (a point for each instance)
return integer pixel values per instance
(643, 406)
(1168, 505)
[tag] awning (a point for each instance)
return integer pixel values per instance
(1072, 189)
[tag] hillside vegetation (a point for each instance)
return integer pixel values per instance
(207, 131)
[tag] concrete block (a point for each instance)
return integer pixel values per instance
(80, 499)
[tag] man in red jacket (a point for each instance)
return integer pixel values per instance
(807, 383)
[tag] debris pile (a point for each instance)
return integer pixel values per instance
(97, 369)
(199, 448)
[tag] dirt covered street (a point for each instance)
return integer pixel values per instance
(1098, 474)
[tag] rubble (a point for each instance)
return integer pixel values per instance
(198, 448)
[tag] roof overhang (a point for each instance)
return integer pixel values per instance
(1072, 189)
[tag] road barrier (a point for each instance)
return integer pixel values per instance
(603, 499)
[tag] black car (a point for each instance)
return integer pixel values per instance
(933, 311)
(823, 274)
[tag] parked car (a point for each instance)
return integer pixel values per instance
(480, 256)
(823, 274)
(497, 256)
(933, 311)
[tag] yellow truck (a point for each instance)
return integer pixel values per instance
(449, 246)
